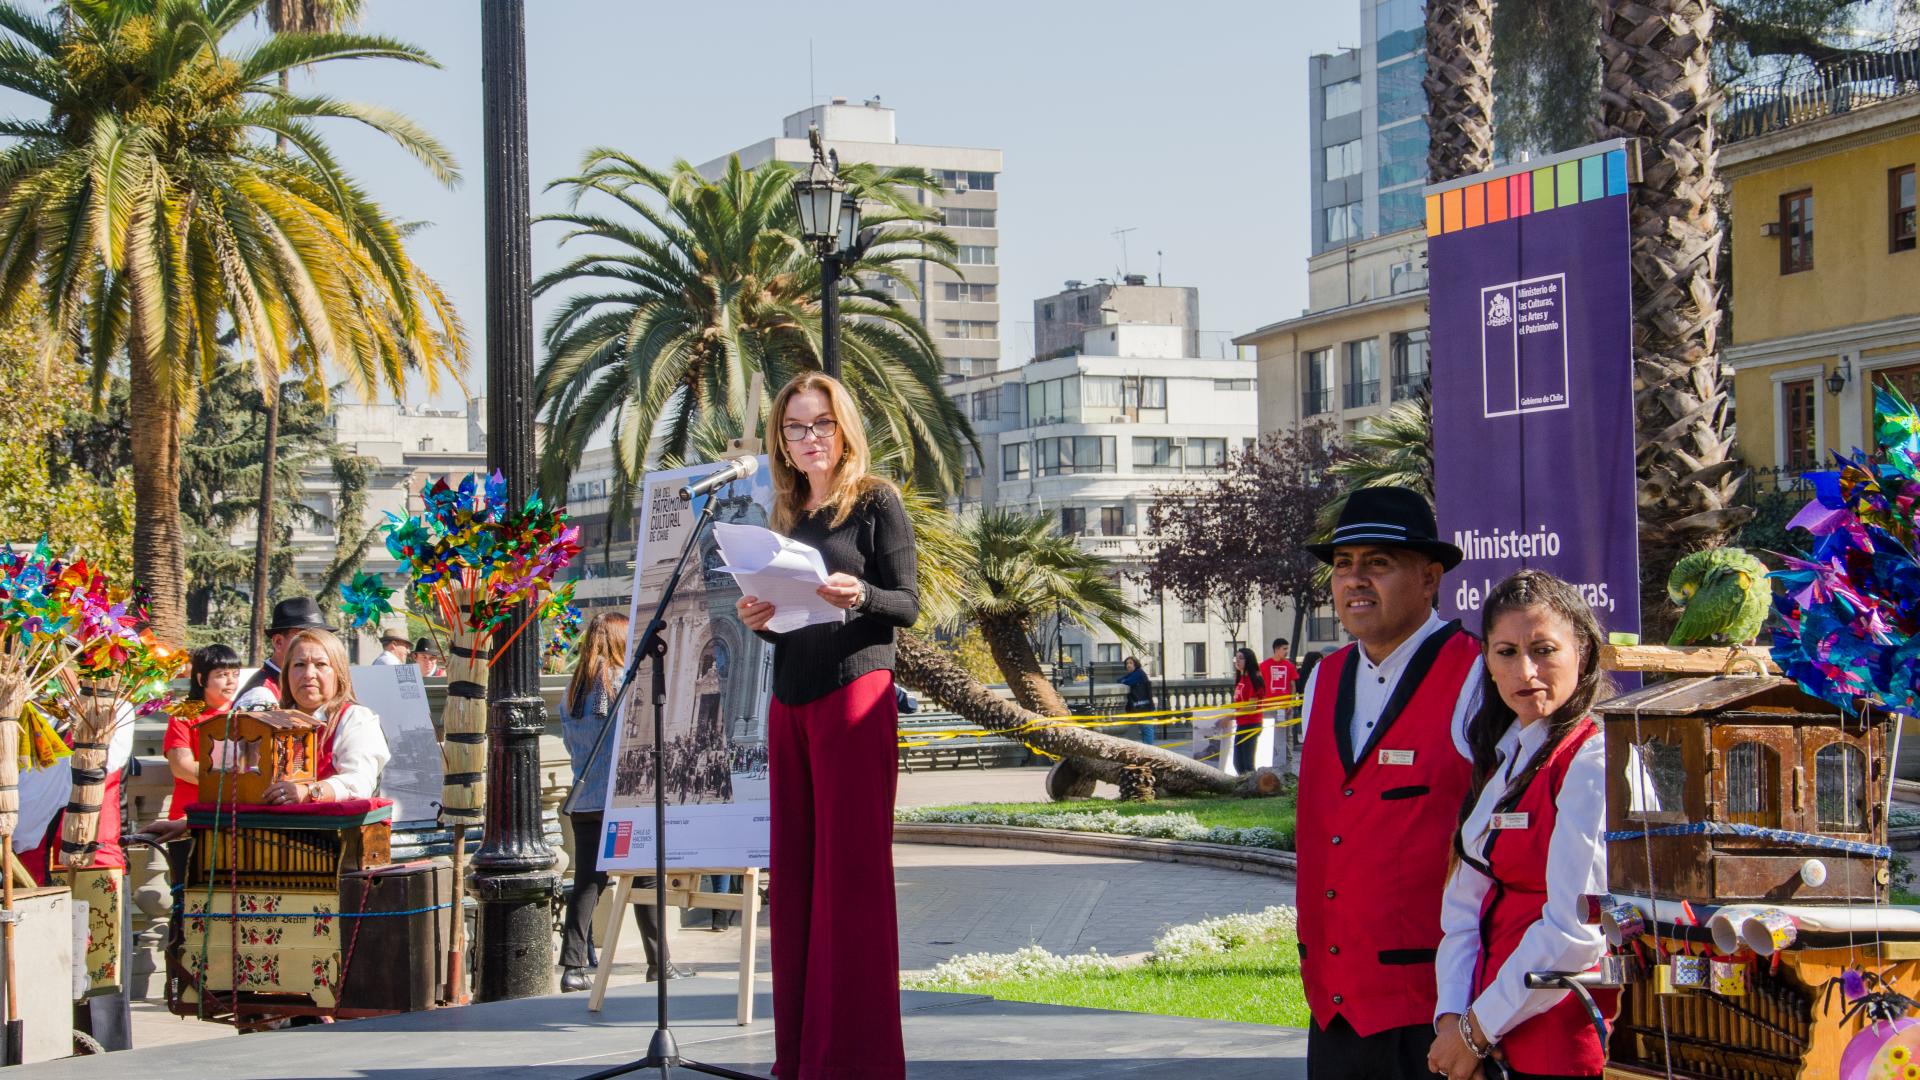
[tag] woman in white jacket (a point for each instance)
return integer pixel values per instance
(352, 750)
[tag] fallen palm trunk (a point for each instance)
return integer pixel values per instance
(1117, 761)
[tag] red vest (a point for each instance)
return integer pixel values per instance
(1562, 1039)
(1373, 839)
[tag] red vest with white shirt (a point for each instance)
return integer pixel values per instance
(1560, 1040)
(1374, 831)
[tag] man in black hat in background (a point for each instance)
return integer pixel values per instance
(290, 616)
(1384, 767)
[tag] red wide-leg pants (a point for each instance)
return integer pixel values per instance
(836, 946)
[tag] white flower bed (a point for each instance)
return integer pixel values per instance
(1169, 826)
(1210, 937)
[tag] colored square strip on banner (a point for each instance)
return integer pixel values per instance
(1567, 183)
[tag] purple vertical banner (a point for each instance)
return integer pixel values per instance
(1531, 303)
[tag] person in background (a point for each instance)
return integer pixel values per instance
(1385, 765)
(1283, 680)
(586, 720)
(352, 749)
(832, 737)
(291, 617)
(1247, 686)
(1528, 850)
(393, 650)
(213, 682)
(1297, 733)
(428, 657)
(1139, 694)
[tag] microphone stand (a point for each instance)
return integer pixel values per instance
(663, 1052)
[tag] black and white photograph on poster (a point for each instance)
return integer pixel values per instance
(719, 679)
(412, 778)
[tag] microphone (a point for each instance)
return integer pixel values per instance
(736, 469)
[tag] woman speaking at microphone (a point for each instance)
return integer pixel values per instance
(832, 746)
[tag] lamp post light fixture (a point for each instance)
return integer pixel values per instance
(830, 224)
(1838, 377)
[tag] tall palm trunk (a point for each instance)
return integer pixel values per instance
(263, 536)
(1459, 85)
(932, 672)
(1013, 653)
(1656, 88)
(159, 542)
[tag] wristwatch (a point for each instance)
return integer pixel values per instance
(860, 601)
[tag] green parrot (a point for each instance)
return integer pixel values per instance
(1724, 594)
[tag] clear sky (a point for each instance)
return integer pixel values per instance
(1184, 121)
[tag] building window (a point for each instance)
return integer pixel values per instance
(1316, 397)
(1076, 454)
(1073, 656)
(1905, 379)
(1106, 654)
(1178, 454)
(1073, 521)
(1013, 461)
(961, 180)
(1053, 401)
(1798, 399)
(1342, 222)
(967, 217)
(1340, 99)
(1113, 520)
(1322, 625)
(1401, 210)
(986, 404)
(1796, 232)
(1402, 90)
(975, 255)
(1403, 155)
(970, 292)
(1901, 204)
(1409, 364)
(1363, 373)
(1233, 384)
(1399, 28)
(970, 329)
(970, 462)
(1196, 659)
(1840, 789)
(1343, 160)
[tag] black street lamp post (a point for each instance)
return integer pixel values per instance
(513, 876)
(830, 223)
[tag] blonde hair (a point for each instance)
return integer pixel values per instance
(336, 659)
(603, 649)
(851, 480)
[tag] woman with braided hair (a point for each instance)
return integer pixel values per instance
(1528, 851)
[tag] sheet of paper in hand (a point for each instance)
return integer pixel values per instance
(779, 570)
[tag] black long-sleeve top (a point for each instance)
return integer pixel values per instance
(874, 544)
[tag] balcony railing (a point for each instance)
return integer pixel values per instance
(1362, 394)
(1864, 77)
(1315, 402)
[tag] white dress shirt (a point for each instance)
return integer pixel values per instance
(387, 659)
(1576, 869)
(1374, 684)
(360, 754)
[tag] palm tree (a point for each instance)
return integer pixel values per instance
(283, 17)
(948, 563)
(701, 283)
(159, 222)
(1393, 449)
(1657, 91)
(1022, 571)
(1459, 85)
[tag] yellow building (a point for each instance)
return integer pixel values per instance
(1826, 275)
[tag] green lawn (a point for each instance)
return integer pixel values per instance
(1234, 813)
(1258, 984)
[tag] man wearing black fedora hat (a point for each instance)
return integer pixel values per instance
(290, 616)
(1384, 767)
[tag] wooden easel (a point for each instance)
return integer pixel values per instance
(683, 891)
(683, 886)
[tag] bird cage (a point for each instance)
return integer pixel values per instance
(241, 754)
(1744, 788)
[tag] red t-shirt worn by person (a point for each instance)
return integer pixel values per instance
(1281, 677)
(180, 733)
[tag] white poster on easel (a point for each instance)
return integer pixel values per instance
(719, 679)
(412, 778)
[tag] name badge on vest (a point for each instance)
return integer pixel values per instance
(1396, 757)
(1510, 821)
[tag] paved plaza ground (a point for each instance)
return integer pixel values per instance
(952, 901)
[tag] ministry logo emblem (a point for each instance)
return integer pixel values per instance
(1500, 311)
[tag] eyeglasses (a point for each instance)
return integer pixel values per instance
(823, 428)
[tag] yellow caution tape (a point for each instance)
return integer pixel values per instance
(1157, 718)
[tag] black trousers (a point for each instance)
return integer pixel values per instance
(576, 935)
(1339, 1053)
